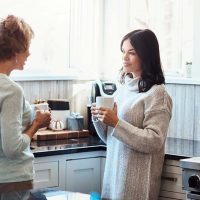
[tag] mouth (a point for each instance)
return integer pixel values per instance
(126, 64)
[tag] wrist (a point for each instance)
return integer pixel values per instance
(34, 127)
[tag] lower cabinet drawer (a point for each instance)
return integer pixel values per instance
(172, 195)
(46, 174)
(83, 175)
(171, 179)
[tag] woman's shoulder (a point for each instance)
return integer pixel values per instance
(158, 97)
(10, 87)
(158, 91)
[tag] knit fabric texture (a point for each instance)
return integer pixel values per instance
(16, 158)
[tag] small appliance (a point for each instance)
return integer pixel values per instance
(104, 88)
(191, 177)
(59, 111)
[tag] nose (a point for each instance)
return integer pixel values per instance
(125, 56)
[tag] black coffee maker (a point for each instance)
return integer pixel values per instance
(99, 88)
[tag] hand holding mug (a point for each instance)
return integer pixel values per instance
(105, 110)
(108, 116)
(42, 118)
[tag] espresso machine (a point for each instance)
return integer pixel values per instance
(98, 88)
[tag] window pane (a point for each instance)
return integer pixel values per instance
(172, 22)
(50, 22)
(84, 35)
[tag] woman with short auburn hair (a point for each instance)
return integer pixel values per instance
(16, 125)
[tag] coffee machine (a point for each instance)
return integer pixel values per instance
(99, 88)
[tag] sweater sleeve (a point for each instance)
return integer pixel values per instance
(151, 137)
(101, 129)
(13, 141)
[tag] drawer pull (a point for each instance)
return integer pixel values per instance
(169, 178)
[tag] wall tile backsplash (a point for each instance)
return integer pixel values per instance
(182, 122)
(76, 92)
(185, 122)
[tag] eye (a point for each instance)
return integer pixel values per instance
(132, 52)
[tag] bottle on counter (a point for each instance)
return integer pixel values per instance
(188, 69)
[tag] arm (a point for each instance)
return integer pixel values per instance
(151, 136)
(148, 139)
(14, 142)
(101, 129)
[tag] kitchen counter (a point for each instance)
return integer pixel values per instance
(45, 194)
(175, 148)
(67, 146)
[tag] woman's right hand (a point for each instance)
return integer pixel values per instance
(42, 118)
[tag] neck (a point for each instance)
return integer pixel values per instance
(6, 67)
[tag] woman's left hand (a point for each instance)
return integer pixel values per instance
(107, 116)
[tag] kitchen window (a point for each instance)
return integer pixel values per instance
(172, 22)
(82, 38)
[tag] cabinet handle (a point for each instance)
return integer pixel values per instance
(169, 178)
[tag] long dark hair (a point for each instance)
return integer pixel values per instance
(146, 46)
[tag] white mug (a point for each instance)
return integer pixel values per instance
(105, 102)
(41, 106)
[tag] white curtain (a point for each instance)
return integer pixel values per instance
(86, 35)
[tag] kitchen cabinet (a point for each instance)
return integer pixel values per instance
(46, 174)
(171, 185)
(83, 175)
(78, 172)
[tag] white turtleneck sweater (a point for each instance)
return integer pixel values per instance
(135, 147)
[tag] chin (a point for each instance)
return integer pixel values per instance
(126, 70)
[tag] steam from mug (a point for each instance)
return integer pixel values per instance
(106, 102)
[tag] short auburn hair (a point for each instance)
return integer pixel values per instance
(15, 37)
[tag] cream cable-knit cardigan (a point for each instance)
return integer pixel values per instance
(135, 147)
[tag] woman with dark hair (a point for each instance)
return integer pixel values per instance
(136, 128)
(16, 125)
